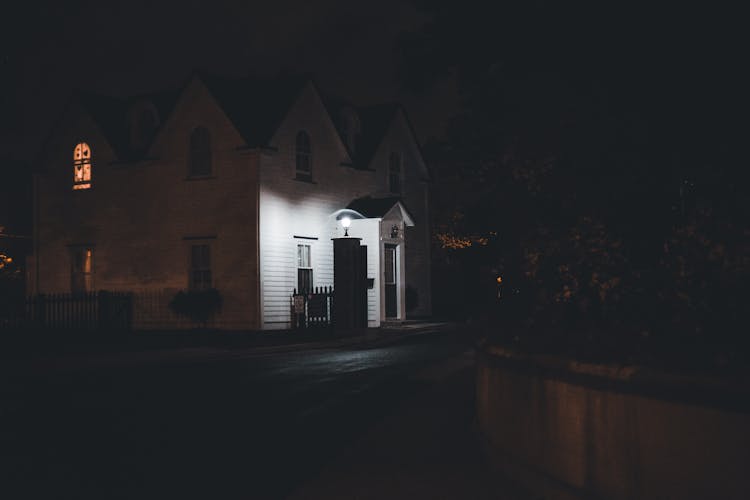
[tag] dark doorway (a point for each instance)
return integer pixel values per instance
(391, 282)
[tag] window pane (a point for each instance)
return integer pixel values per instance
(77, 261)
(82, 270)
(200, 267)
(88, 258)
(304, 280)
(395, 183)
(303, 154)
(82, 166)
(303, 162)
(195, 251)
(205, 261)
(200, 258)
(303, 256)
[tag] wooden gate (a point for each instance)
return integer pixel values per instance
(312, 309)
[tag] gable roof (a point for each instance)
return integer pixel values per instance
(374, 121)
(256, 106)
(111, 114)
(379, 207)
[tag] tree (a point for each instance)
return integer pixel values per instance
(579, 151)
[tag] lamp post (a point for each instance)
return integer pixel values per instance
(345, 223)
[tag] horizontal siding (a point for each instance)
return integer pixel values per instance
(289, 207)
(370, 231)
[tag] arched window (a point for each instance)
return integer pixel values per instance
(394, 173)
(200, 153)
(303, 156)
(82, 166)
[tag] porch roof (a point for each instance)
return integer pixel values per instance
(379, 207)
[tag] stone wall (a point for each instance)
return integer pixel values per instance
(566, 430)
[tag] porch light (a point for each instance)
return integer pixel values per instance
(345, 216)
(345, 223)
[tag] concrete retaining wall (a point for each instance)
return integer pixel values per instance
(574, 431)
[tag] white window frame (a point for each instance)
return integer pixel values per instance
(299, 264)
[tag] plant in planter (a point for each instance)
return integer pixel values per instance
(197, 305)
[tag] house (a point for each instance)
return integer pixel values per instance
(231, 184)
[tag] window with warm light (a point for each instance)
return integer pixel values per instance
(200, 153)
(304, 269)
(82, 166)
(303, 154)
(82, 269)
(394, 173)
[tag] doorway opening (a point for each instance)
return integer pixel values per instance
(390, 280)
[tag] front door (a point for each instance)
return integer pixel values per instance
(390, 281)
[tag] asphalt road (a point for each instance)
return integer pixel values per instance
(243, 427)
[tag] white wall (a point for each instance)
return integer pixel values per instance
(289, 207)
(369, 231)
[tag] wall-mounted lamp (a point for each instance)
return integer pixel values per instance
(345, 223)
(394, 231)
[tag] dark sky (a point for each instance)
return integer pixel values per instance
(684, 62)
(126, 47)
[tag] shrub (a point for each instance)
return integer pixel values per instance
(197, 305)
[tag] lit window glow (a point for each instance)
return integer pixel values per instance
(82, 166)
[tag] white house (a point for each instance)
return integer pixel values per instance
(233, 184)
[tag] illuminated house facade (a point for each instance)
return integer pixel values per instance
(233, 185)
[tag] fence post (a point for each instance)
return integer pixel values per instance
(40, 311)
(102, 304)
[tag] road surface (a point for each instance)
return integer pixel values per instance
(272, 426)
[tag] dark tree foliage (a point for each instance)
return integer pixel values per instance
(597, 165)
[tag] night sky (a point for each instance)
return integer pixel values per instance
(661, 59)
(128, 47)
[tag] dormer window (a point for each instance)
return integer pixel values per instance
(200, 153)
(82, 166)
(303, 154)
(394, 173)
